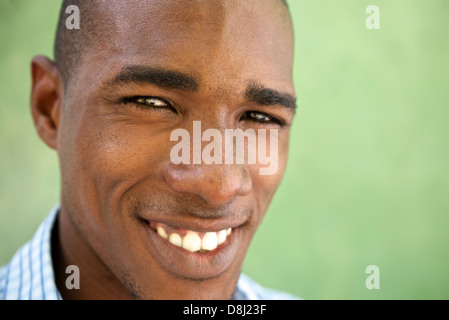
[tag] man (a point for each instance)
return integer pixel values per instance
(136, 224)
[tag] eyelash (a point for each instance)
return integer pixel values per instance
(139, 102)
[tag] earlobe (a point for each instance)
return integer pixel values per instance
(46, 99)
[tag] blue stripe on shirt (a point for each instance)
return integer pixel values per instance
(31, 271)
(42, 262)
(20, 275)
(7, 280)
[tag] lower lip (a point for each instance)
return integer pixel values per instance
(198, 266)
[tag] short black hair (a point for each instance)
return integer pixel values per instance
(69, 44)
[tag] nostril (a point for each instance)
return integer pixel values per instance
(220, 190)
(216, 185)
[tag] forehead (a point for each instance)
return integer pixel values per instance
(215, 40)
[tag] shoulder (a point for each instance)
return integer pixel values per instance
(10, 277)
(29, 274)
(248, 289)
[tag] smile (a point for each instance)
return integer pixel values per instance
(192, 241)
(193, 250)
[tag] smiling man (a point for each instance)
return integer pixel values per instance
(136, 224)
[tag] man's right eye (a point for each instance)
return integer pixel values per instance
(148, 103)
(152, 102)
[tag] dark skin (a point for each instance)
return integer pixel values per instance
(116, 171)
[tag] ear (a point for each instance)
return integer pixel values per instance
(47, 92)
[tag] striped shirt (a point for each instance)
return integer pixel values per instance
(29, 275)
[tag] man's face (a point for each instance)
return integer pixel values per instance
(130, 92)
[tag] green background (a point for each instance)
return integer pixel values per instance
(367, 181)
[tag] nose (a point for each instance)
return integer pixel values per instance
(215, 184)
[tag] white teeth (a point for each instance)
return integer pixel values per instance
(221, 236)
(162, 233)
(192, 242)
(175, 239)
(210, 241)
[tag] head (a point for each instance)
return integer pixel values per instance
(135, 72)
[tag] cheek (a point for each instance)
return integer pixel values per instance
(106, 157)
(265, 185)
(112, 153)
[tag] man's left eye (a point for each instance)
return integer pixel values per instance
(260, 117)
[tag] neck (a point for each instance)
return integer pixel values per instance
(96, 280)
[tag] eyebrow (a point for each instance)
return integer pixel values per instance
(160, 77)
(171, 79)
(256, 92)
